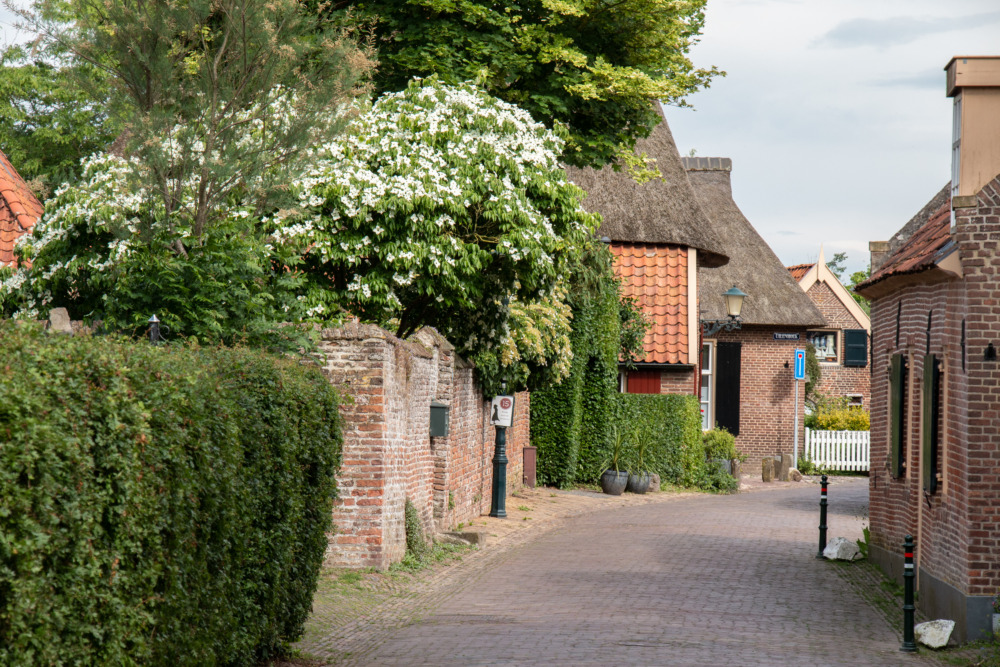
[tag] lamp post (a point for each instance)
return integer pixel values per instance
(733, 298)
(503, 409)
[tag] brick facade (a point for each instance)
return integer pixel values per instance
(957, 528)
(767, 399)
(678, 381)
(839, 380)
(389, 455)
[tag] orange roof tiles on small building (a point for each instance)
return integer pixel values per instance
(799, 271)
(19, 209)
(921, 251)
(657, 276)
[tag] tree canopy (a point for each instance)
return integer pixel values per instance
(592, 66)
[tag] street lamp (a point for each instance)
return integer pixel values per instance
(733, 298)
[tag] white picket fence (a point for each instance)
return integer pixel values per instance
(839, 450)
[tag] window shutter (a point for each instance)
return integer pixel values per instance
(896, 407)
(855, 347)
(727, 385)
(930, 410)
(643, 382)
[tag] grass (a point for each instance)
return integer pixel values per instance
(524, 508)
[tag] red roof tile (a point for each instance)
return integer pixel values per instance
(921, 250)
(657, 275)
(19, 209)
(799, 270)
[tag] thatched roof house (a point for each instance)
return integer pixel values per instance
(774, 298)
(660, 211)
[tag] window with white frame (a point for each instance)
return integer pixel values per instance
(707, 368)
(825, 343)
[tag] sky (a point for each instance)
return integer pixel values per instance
(834, 113)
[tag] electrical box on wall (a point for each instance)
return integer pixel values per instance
(439, 419)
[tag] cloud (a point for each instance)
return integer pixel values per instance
(899, 30)
(785, 232)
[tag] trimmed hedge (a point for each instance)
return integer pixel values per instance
(158, 505)
(673, 423)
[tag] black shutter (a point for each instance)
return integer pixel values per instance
(727, 387)
(897, 414)
(855, 347)
(931, 408)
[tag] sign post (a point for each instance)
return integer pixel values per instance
(501, 416)
(800, 374)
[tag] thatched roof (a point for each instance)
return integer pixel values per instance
(662, 210)
(773, 295)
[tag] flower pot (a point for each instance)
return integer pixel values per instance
(638, 482)
(613, 483)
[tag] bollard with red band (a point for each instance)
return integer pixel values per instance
(822, 517)
(908, 646)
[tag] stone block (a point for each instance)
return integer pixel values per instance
(59, 321)
(934, 634)
(767, 469)
(783, 463)
(841, 548)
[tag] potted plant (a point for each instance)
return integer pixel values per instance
(720, 450)
(613, 479)
(638, 477)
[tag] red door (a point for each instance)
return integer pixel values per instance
(643, 382)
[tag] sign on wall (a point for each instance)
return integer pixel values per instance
(502, 411)
(786, 336)
(800, 365)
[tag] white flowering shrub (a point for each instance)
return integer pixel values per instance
(436, 205)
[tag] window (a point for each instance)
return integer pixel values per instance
(931, 408)
(956, 147)
(706, 386)
(825, 343)
(898, 372)
(856, 400)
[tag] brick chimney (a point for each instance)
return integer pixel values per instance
(974, 82)
(878, 250)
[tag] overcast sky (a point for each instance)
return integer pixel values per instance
(834, 113)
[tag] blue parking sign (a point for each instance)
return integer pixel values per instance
(800, 364)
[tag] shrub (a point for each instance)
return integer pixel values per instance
(721, 444)
(158, 505)
(672, 424)
(841, 419)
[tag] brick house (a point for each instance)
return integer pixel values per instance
(841, 346)
(935, 446)
(746, 379)
(660, 238)
(19, 209)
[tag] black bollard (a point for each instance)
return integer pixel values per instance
(908, 646)
(822, 517)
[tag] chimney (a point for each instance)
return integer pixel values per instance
(878, 249)
(974, 82)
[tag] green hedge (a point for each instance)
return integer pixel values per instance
(158, 505)
(673, 422)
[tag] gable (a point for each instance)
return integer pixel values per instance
(19, 209)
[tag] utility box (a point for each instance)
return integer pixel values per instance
(439, 419)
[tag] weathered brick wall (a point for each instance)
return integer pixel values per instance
(389, 456)
(837, 379)
(958, 528)
(766, 392)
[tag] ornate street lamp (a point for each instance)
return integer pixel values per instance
(734, 306)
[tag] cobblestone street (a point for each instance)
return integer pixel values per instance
(689, 580)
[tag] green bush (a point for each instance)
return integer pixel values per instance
(840, 419)
(158, 505)
(672, 424)
(721, 444)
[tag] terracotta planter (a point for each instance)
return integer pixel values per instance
(614, 483)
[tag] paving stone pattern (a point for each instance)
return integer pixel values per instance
(701, 580)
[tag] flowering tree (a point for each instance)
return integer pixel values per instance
(437, 206)
(440, 206)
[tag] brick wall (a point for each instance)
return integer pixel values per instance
(958, 528)
(837, 379)
(389, 455)
(766, 392)
(677, 381)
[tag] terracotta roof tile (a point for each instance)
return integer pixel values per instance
(19, 209)
(657, 276)
(799, 271)
(920, 251)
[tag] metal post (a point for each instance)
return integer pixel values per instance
(908, 646)
(795, 442)
(498, 500)
(822, 517)
(154, 329)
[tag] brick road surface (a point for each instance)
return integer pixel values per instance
(701, 580)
